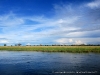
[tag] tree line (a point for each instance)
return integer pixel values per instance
(19, 44)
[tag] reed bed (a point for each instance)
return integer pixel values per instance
(72, 49)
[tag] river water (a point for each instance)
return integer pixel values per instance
(46, 63)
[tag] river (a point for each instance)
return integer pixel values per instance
(48, 63)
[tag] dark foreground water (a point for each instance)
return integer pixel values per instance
(44, 63)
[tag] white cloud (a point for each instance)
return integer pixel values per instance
(94, 4)
(68, 20)
(4, 41)
(70, 40)
(10, 20)
(78, 42)
(28, 44)
(62, 41)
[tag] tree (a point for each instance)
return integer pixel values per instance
(5, 45)
(15, 44)
(40, 44)
(19, 44)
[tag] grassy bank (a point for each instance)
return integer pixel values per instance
(73, 49)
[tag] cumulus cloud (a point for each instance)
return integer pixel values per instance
(61, 41)
(70, 40)
(78, 42)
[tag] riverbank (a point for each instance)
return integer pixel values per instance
(72, 49)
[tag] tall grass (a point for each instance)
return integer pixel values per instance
(73, 49)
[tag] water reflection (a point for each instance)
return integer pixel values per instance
(45, 63)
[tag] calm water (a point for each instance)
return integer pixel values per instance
(45, 63)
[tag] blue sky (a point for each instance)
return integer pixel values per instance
(49, 22)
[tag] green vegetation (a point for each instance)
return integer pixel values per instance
(72, 49)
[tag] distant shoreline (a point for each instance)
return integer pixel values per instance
(69, 49)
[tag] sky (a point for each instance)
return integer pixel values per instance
(34, 22)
